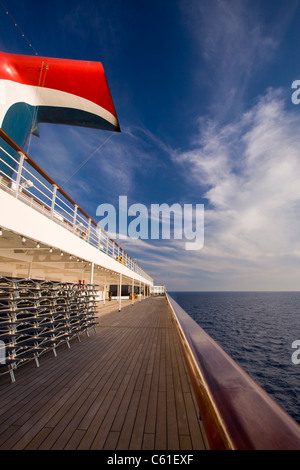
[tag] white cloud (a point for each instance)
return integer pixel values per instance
(252, 174)
(249, 172)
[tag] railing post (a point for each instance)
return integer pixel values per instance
(21, 163)
(89, 230)
(75, 217)
(53, 200)
(98, 231)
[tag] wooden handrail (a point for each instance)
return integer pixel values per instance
(34, 165)
(237, 413)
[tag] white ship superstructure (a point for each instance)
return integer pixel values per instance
(46, 235)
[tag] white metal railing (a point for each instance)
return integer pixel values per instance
(21, 177)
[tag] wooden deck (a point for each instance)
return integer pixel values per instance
(123, 387)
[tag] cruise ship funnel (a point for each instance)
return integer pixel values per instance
(37, 90)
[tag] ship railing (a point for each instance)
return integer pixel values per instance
(237, 414)
(24, 179)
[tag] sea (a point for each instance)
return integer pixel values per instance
(257, 329)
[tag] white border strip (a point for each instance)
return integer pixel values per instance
(13, 92)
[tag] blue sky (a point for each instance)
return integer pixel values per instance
(203, 93)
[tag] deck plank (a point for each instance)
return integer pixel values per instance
(123, 387)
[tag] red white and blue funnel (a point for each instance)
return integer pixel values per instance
(60, 91)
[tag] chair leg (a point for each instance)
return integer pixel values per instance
(12, 375)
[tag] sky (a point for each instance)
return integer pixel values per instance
(202, 90)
